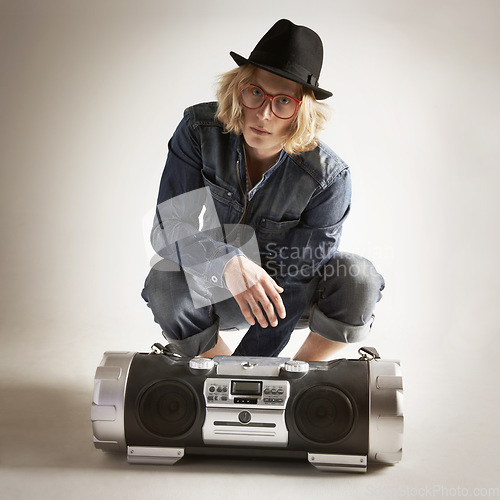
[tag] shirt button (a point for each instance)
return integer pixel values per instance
(229, 193)
(214, 279)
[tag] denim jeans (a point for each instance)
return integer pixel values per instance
(337, 304)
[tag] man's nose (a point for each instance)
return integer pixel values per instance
(265, 112)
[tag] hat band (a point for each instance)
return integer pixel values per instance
(289, 67)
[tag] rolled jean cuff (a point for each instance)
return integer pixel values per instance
(333, 329)
(199, 343)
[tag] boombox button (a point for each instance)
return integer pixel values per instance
(267, 391)
(296, 366)
(280, 391)
(244, 417)
(211, 388)
(198, 363)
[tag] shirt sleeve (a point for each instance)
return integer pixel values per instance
(178, 233)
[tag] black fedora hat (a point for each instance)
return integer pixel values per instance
(292, 52)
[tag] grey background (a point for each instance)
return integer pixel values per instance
(91, 92)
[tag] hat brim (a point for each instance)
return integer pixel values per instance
(319, 93)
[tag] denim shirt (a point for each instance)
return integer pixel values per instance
(296, 210)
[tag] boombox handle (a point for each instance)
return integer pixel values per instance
(367, 353)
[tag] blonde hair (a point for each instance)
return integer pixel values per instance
(310, 119)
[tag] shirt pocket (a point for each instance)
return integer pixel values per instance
(228, 208)
(270, 230)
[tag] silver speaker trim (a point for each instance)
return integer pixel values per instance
(386, 423)
(107, 412)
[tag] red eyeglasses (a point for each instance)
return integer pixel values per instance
(282, 106)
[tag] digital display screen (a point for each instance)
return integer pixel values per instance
(246, 388)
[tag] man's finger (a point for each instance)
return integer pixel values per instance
(257, 312)
(269, 309)
(275, 298)
(245, 310)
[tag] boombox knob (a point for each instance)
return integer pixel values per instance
(199, 363)
(295, 366)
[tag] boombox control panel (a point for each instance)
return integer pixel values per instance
(336, 414)
(247, 411)
(227, 392)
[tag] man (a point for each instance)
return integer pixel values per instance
(252, 161)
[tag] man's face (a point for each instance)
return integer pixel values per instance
(264, 132)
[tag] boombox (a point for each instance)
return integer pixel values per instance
(337, 414)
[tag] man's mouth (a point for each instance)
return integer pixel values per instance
(259, 131)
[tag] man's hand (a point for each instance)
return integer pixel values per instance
(254, 291)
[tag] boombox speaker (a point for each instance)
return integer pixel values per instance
(337, 414)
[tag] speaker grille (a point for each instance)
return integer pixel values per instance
(168, 409)
(323, 414)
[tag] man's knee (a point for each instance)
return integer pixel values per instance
(168, 296)
(350, 288)
(161, 290)
(354, 273)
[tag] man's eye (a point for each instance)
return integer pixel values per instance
(256, 92)
(283, 99)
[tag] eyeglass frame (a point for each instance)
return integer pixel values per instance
(298, 102)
